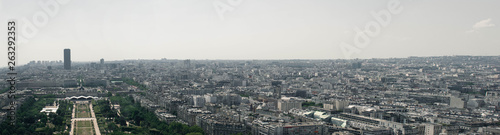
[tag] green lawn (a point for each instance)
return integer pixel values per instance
(82, 111)
(84, 123)
(84, 128)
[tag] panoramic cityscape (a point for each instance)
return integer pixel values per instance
(250, 67)
(415, 95)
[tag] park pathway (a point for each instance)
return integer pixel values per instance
(92, 118)
(96, 126)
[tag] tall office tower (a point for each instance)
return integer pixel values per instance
(277, 89)
(187, 64)
(102, 61)
(67, 59)
(356, 65)
(185, 73)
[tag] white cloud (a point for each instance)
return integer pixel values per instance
(481, 24)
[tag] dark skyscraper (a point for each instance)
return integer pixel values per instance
(102, 61)
(187, 64)
(67, 59)
(277, 89)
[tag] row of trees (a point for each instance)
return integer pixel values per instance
(307, 104)
(29, 119)
(134, 83)
(62, 118)
(103, 112)
(4, 90)
(144, 121)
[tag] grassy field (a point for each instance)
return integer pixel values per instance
(84, 128)
(82, 111)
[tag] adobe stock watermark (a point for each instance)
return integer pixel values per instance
(11, 63)
(223, 7)
(31, 27)
(362, 38)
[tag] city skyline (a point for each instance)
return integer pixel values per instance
(250, 67)
(408, 96)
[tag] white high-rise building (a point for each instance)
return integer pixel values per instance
(209, 98)
(432, 129)
(456, 102)
(285, 105)
(199, 101)
(336, 105)
(341, 104)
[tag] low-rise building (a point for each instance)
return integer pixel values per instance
(277, 128)
(213, 125)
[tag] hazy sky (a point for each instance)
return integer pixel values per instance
(249, 29)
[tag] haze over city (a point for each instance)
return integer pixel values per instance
(189, 29)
